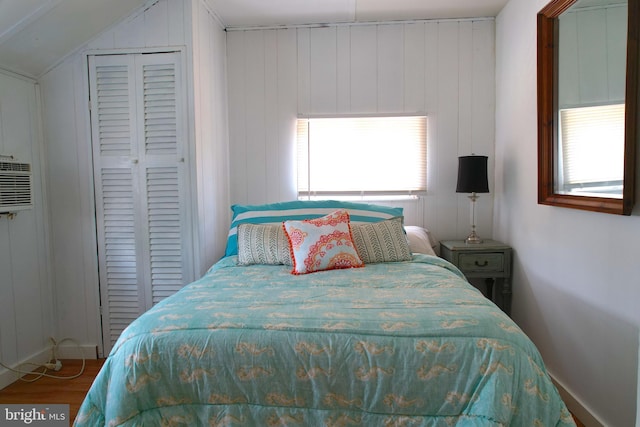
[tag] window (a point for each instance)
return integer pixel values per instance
(365, 157)
(591, 150)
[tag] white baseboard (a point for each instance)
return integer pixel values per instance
(9, 377)
(576, 406)
(73, 351)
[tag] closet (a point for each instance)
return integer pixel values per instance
(141, 183)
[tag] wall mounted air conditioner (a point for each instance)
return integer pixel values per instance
(16, 186)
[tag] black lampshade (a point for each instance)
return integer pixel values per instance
(472, 174)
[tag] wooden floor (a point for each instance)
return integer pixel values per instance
(55, 391)
(71, 392)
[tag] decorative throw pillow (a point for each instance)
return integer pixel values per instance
(383, 241)
(322, 244)
(263, 244)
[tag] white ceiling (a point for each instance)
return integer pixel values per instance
(260, 13)
(36, 34)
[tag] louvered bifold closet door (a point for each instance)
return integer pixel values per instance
(167, 250)
(142, 196)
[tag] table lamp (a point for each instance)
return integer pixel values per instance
(472, 178)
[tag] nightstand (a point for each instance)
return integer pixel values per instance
(490, 260)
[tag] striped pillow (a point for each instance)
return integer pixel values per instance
(276, 213)
(263, 244)
(383, 241)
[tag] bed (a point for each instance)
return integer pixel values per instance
(394, 343)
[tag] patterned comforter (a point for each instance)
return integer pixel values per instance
(406, 343)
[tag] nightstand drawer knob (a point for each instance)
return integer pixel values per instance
(484, 264)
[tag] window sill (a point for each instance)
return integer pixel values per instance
(369, 198)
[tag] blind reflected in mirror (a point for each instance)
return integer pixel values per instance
(591, 151)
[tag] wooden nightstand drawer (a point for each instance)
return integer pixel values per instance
(489, 262)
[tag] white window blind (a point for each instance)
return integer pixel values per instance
(592, 149)
(362, 156)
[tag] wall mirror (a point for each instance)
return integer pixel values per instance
(587, 104)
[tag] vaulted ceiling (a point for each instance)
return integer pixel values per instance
(36, 34)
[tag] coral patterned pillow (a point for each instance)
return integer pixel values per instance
(322, 243)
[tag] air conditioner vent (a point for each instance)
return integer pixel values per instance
(15, 186)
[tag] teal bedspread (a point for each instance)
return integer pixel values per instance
(397, 344)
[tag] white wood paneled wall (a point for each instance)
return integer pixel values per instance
(211, 137)
(442, 68)
(65, 111)
(25, 295)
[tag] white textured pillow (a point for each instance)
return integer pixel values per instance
(382, 241)
(322, 243)
(263, 244)
(419, 240)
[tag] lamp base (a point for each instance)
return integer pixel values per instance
(473, 239)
